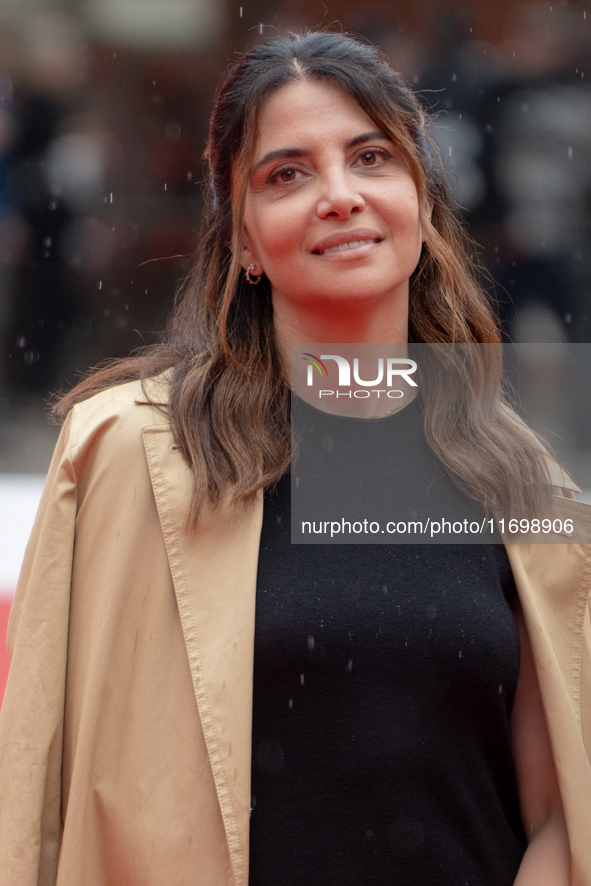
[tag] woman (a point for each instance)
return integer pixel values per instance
(128, 719)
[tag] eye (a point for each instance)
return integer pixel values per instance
(372, 157)
(285, 175)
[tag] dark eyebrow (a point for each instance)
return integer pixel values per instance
(288, 153)
(280, 154)
(367, 137)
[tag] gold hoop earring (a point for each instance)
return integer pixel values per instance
(254, 281)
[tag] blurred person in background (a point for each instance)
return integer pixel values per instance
(154, 730)
(48, 172)
(541, 167)
(514, 127)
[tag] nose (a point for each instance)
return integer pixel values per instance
(339, 197)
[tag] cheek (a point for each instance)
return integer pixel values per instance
(403, 213)
(276, 232)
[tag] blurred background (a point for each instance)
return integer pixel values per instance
(104, 106)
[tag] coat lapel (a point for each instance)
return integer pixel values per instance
(214, 575)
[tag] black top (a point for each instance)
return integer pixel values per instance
(384, 678)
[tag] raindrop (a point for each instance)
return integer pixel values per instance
(165, 186)
(21, 342)
(350, 665)
(311, 641)
(570, 152)
(567, 318)
(189, 176)
(241, 12)
(111, 197)
(153, 83)
(460, 654)
(584, 16)
(106, 313)
(114, 55)
(500, 688)
(261, 28)
(290, 703)
(100, 284)
(454, 77)
(301, 679)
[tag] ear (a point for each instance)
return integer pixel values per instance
(248, 257)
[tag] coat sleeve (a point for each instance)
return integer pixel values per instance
(31, 720)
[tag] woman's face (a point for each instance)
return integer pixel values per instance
(332, 212)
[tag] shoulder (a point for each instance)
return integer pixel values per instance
(128, 407)
(105, 432)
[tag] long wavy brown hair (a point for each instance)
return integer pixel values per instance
(229, 400)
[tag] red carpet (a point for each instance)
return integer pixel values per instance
(4, 662)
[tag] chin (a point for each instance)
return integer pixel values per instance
(339, 297)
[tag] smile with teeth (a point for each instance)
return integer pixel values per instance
(342, 247)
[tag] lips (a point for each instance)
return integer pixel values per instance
(344, 246)
(346, 241)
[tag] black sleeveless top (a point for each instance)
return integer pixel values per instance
(384, 678)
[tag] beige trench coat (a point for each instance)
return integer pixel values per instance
(125, 735)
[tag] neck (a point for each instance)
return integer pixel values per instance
(386, 323)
